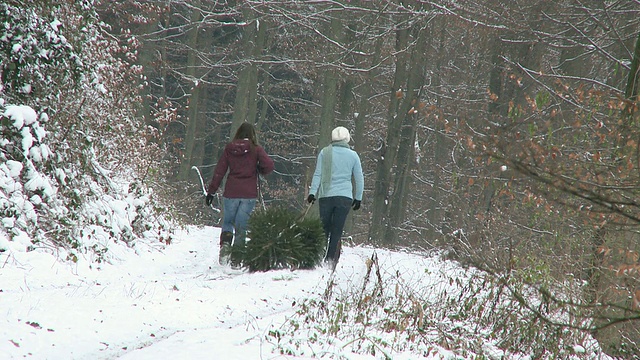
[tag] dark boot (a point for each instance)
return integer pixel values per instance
(332, 261)
(226, 237)
(338, 251)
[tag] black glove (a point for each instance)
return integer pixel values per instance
(311, 199)
(209, 200)
(355, 205)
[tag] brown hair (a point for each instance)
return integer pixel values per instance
(247, 131)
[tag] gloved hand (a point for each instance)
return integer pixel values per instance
(355, 205)
(311, 199)
(209, 199)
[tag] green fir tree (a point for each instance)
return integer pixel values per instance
(279, 239)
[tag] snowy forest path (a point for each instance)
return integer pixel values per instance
(225, 311)
(142, 301)
(158, 301)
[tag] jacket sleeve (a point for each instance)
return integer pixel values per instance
(219, 173)
(265, 163)
(317, 174)
(359, 178)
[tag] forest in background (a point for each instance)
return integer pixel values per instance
(504, 133)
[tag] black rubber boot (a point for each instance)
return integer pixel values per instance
(338, 251)
(226, 237)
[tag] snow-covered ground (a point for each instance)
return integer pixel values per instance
(165, 302)
(176, 302)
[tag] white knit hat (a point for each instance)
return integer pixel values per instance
(340, 134)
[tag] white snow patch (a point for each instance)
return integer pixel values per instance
(21, 114)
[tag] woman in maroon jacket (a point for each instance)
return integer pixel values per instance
(243, 158)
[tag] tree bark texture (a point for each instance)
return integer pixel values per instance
(193, 117)
(245, 108)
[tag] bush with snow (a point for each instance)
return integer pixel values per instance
(43, 202)
(72, 155)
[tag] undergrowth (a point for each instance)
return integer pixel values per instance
(454, 315)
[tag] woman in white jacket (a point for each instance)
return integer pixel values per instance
(337, 164)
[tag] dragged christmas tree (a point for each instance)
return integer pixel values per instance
(278, 239)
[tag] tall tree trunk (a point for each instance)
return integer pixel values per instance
(389, 148)
(201, 135)
(245, 108)
(330, 89)
(633, 81)
(363, 110)
(599, 287)
(147, 55)
(364, 104)
(435, 211)
(499, 104)
(193, 113)
(262, 113)
(328, 102)
(406, 149)
(631, 94)
(398, 200)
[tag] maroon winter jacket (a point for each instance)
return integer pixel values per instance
(243, 166)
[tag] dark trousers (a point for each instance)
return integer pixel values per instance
(333, 214)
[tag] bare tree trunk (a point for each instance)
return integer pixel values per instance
(398, 203)
(261, 115)
(389, 148)
(633, 81)
(329, 99)
(363, 111)
(328, 102)
(406, 149)
(599, 287)
(435, 210)
(245, 108)
(330, 91)
(201, 135)
(147, 54)
(192, 118)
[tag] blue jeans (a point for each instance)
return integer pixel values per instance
(333, 214)
(236, 215)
